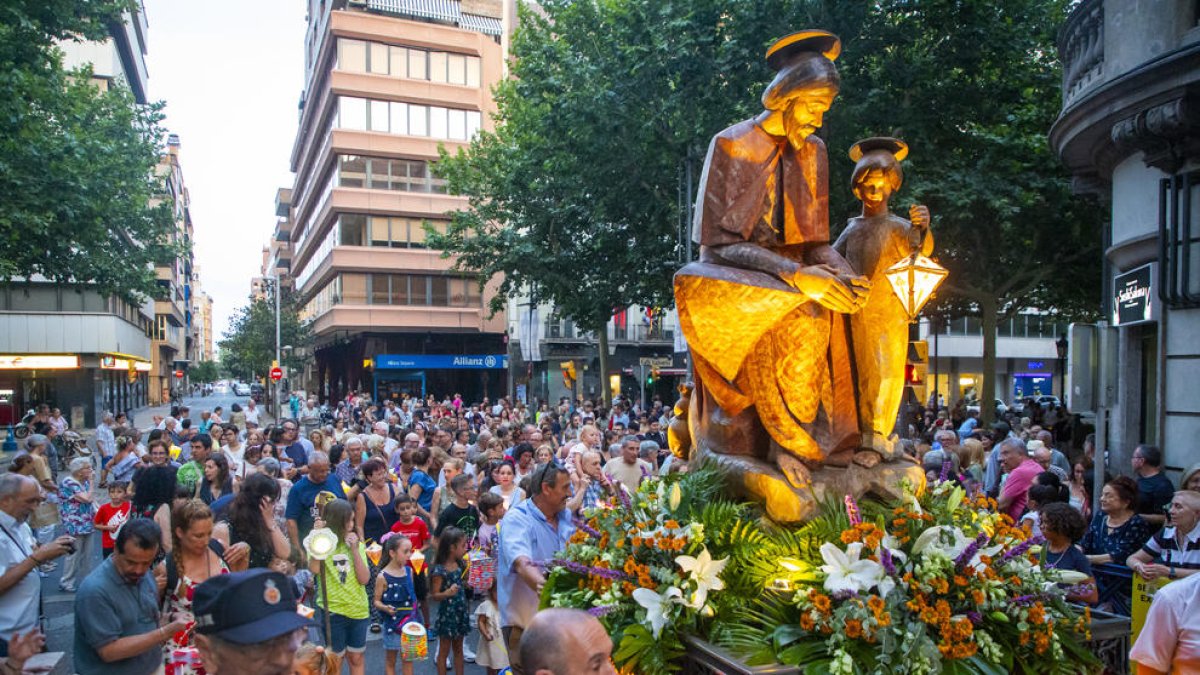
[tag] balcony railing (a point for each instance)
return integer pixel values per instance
(1081, 48)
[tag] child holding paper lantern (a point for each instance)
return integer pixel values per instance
(448, 587)
(396, 600)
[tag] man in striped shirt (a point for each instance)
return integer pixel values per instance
(1175, 551)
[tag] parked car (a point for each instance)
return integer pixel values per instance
(1001, 407)
(257, 392)
(241, 389)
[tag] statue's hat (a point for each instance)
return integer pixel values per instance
(897, 147)
(813, 40)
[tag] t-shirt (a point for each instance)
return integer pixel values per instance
(466, 520)
(108, 514)
(301, 501)
(417, 532)
(629, 475)
(1016, 486)
(1071, 559)
(297, 453)
(347, 597)
(107, 608)
(1170, 638)
(122, 472)
(428, 485)
(1164, 548)
(1154, 493)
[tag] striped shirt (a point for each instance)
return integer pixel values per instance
(1164, 547)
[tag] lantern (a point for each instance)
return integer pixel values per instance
(414, 642)
(320, 543)
(914, 279)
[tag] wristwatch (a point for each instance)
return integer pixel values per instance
(1171, 573)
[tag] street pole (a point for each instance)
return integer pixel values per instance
(278, 394)
(642, 383)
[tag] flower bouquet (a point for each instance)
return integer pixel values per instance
(935, 582)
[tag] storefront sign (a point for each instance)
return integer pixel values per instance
(1134, 300)
(39, 362)
(114, 363)
(441, 361)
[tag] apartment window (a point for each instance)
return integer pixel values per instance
(472, 71)
(354, 289)
(418, 64)
(379, 119)
(456, 125)
(385, 232)
(352, 55)
(352, 113)
(456, 69)
(380, 293)
(399, 116)
(352, 171)
(352, 228)
(380, 63)
(380, 232)
(437, 66)
(408, 62)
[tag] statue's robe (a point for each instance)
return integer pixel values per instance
(755, 340)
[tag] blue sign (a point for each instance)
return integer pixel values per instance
(441, 362)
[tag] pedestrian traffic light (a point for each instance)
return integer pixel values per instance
(568, 373)
(917, 366)
(653, 376)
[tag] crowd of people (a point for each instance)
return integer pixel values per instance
(414, 488)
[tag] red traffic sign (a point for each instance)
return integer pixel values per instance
(277, 373)
(179, 374)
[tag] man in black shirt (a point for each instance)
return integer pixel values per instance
(1155, 490)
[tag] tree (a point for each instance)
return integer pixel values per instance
(248, 347)
(575, 198)
(205, 372)
(81, 201)
(973, 87)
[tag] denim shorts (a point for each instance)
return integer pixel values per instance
(345, 633)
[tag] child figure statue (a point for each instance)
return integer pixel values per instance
(872, 243)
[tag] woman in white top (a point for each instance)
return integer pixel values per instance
(234, 451)
(504, 475)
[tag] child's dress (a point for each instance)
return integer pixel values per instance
(452, 619)
(399, 594)
(490, 653)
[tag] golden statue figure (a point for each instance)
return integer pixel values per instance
(774, 399)
(872, 243)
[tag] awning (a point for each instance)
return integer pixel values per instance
(482, 24)
(435, 10)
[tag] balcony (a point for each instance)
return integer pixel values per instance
(1081, 48)
(171, 310)
(404, 318)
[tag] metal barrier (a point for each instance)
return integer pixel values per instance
(1110, 641)
(1115, 586)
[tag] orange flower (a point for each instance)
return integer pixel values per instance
(850, 536)
(806, 621)
(960, 580)
(822, 602)
(875, 603)
(671, 524)
(978, 596)
(854, 629)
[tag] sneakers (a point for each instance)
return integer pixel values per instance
(468, 655)
(66, 589)
(376, 628)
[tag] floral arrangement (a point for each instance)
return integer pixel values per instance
(935, 582)
(637, 567)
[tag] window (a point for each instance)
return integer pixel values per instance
(457, 123)
(379, 289)
(418, 68)
(418, 120)
(440, 291)
(379, 116)
(379, 59)
(437, 66)
(352, 113)
(472, 71)
(473, 121)
(398, 56)
(399, 114)
(400, 294)
(437, 122)
(353, 229)
(456, 65)
(379, 231)
(354, 289)
(379, 173)
(353, 171)
(352, 56)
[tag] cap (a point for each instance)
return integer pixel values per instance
(897, 147)
(246, 607)
(810, 40)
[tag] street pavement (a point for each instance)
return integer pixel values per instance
(59, 607)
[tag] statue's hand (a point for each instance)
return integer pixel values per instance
(820, 283)
(919, 215)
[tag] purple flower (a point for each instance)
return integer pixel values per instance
(885, 559)
(582, 526)
(624, 495)
(975, 618)
(852, 511)
(1025, 599)
(1021, 548)
(946, 467)
(603, 610)
(584, 570)
(842, 596)
(969, 552)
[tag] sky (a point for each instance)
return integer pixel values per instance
(230, 72)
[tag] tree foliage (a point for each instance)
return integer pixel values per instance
(576, 196)
(248, 346)
(76, 163)
(204, 372)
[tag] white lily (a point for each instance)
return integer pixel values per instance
(706, 572)
(674, 496)
(657, 606)
(845, 572)
(932, 540)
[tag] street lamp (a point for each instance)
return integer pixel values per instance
(1061, 346)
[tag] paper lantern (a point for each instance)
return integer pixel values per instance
(481, 571)
(914, 279)
(417, 561)
(414, 642)
(319, 543)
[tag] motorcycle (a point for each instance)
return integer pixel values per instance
(23, 428)
(73, 446)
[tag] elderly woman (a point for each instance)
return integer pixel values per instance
(77, 511)
(1172, 552)
(1115, 533)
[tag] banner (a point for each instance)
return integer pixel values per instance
(1143, 594)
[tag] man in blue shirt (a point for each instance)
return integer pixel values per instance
(117, 626)
(969, 424)
(294, 446)
(534, 532)
(302, 498)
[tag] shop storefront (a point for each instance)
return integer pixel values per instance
(80, 385)
(475, 376)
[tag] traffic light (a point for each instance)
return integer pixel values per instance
(568, 374)
(653, 376)
(916, 367)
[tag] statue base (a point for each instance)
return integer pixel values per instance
(794, 500)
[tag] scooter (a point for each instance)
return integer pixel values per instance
(25, 426)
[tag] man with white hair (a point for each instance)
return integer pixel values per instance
(1042, 455)
(389, 443)
(479, 447)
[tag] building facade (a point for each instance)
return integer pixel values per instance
(202, 320)
(172, 341)
(1129, 132)
(389, 83)
(69, 346)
